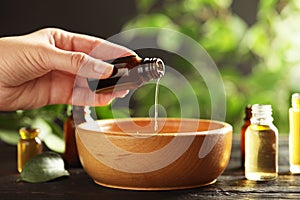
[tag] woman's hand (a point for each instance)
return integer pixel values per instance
(41, 68)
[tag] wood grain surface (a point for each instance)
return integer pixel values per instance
(230, 185)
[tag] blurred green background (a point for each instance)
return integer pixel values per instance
(258, 60)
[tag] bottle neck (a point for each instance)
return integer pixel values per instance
(261, 115)
(248, 113)
(28, 133)
(153, 68)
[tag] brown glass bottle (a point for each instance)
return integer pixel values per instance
(70, 155)
(129, 72)
(247, 122)
(29, 146)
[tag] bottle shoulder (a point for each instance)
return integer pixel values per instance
(35, 140)
(262, 127)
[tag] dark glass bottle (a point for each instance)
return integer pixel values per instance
(129, 72)
(70, 155)
(247, 122)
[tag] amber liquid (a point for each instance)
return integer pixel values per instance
(294, 141)
(27, 149)
(261, 156)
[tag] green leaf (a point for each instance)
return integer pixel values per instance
(43, 167)
(104, 112)
(9, 136)
(51, 140)
(55, 143)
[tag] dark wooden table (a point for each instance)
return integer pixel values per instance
(231, 184)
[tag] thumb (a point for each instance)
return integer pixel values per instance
(81, 64)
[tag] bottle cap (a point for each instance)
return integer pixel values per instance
(157, 67)
(28, 132)
(296, 100)
(261, 114)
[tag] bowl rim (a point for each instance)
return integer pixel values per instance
(223, 130)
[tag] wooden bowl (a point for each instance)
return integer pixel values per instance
(129, 154)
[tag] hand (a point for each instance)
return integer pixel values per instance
(40, 68)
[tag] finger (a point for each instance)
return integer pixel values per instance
(93, 46)
(84, 96)
(108, 51)
(63, 91)
(80, 64)
(71, 54)
(87, 98)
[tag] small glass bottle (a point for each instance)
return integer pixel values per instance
(261, 145)
(294, 136)
(29, 146)
(129, 72)
(70, 155)
(247, 122)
